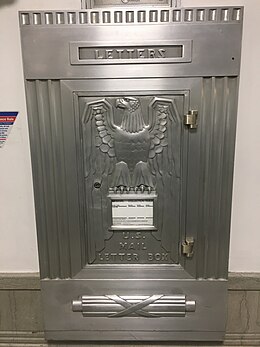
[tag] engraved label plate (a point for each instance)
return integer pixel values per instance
(138, 247)
(147, 52)
(132, 212)
(88, 53)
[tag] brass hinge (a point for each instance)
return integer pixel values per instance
(191, 119)
(187, 247)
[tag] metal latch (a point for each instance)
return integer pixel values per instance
(187, 247)
(191, 119)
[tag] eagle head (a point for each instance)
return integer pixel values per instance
(132, 119)
(129, 103)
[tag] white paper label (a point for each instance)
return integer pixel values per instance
(132, 212)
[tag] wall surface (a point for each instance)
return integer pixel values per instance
(18, 250)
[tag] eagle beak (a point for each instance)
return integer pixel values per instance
(120, 103)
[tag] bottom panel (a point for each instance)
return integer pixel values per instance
(134, 335)
(137, 309)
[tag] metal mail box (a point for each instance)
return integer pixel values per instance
(132, 117)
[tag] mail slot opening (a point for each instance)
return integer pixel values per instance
(148, 52)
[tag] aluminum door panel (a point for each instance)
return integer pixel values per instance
(51, 43)
(207, 319)
(132, 205)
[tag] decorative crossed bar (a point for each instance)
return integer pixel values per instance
(115, 306)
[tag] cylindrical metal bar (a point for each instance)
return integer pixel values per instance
(155, 305)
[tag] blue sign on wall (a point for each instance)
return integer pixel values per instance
(7, 120)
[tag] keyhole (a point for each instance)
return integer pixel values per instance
(97, 185)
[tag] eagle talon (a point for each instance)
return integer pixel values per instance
(120, 189)
(143, 188)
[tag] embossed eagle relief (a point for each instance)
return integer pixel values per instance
(132, 143)
(139, 153)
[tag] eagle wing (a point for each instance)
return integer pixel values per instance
(164, 161)
(99, 159)
(102, 112)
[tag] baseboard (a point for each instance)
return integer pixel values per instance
(21, 321)
(36, 339)
(242, 340)
(22, 338)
